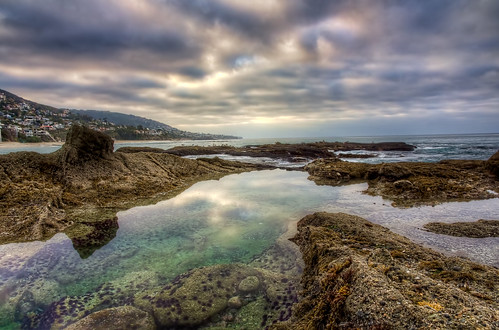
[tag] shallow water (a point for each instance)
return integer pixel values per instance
(234, 219)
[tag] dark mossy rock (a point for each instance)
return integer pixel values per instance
(291, 152)
(193, 298)
(412, 183)
(83, 144)
(118, 318)
(493, 164)
(389, 172)
(91, 236)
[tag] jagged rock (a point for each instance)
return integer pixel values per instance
(84, 144)
(290, 152)
(411, 183)
(360, 275)
(118, 318)
(390, 172)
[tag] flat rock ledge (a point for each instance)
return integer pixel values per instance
(410, 183)
(291, 152)
(477, 229)
(359, 275)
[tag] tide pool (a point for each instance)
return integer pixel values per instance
(235, 220)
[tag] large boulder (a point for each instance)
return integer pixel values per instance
(125, 317)
(84, 144)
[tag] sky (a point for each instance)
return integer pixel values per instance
(262, 68)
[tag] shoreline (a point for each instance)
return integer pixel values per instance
(14, 145)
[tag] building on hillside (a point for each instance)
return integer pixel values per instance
(14, 130)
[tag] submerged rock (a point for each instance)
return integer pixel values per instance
(193, 298)
(88, 237)
(249, 284)
(361, 275)
(218, 295)
(125, 317)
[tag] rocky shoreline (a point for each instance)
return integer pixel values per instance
(359, 275)
(85, 182)
(356, 274)
(291, 152)
(411, 184)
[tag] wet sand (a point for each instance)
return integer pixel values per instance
(13, 145)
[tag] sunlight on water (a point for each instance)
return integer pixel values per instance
(234, 220)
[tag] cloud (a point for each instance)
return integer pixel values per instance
(259, 66)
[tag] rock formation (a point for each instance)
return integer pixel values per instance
(411, 184)
(42, 194)
(478, 229)
(493, 164)
(291, 152)
(359, 275)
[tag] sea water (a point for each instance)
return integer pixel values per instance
(233, 220)
(429, 148)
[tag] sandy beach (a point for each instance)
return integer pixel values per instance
(12, 145)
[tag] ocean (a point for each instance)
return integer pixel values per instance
(429, 148)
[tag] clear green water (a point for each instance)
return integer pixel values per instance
(232, 220)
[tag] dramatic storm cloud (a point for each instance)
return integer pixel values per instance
(262, 67)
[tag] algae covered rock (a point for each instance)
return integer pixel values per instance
(478, 229)
(412, 183)
(83, 144)
(220, 295)
(193, 298)
(125, 317)
(249, 284)
(493, 164)
(359, 275)
(390, 172)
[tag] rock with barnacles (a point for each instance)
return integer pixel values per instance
(194, 297)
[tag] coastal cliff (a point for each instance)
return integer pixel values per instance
(85, 181)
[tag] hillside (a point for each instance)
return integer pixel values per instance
(124, 119)
(27, 121)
